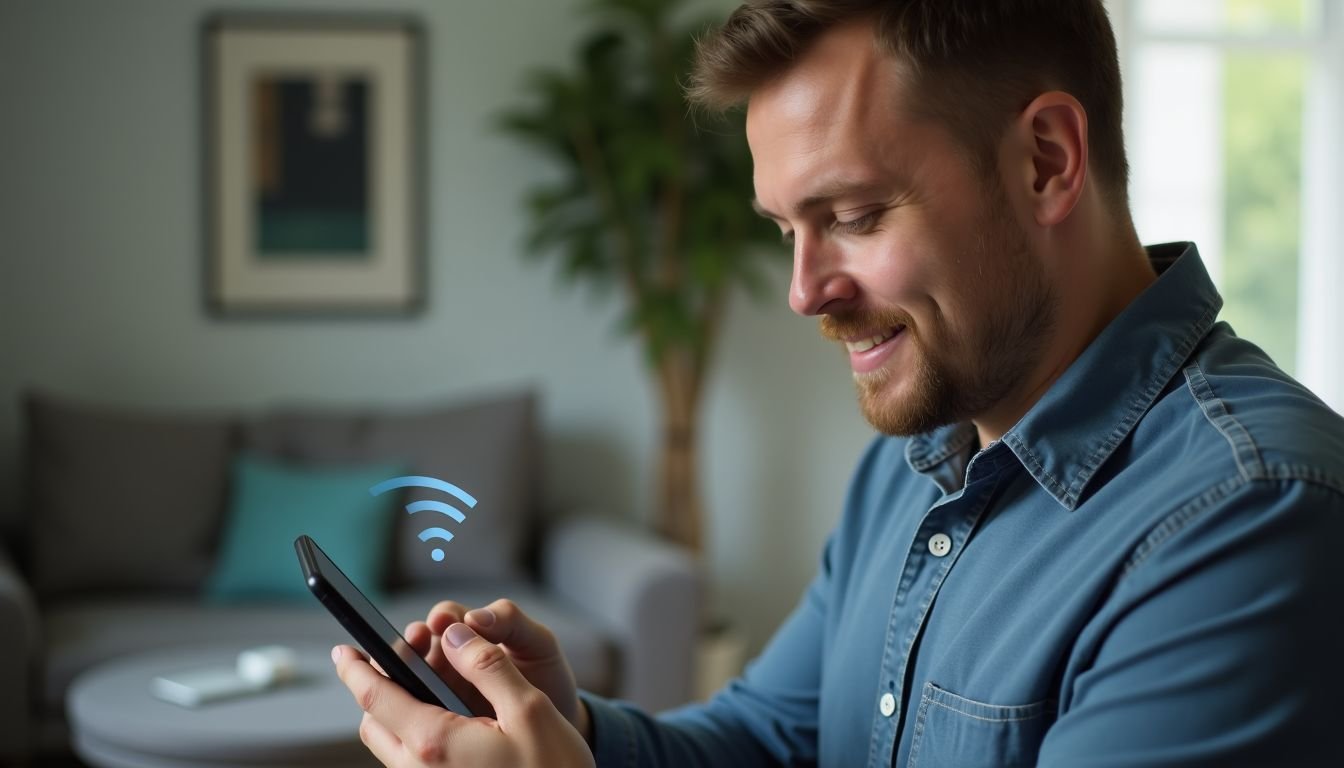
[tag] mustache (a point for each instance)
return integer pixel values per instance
(847, 325)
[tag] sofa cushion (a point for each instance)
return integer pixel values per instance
(122, 500)
(486, 447)
(272, 504)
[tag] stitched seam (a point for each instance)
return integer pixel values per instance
(1156, 384)
(1038, 470)
(950, 708)
(875, 745)
(1311, 475)
(888, 649)
(917, 738)
(631, 742)
(1178, 520)
(1163, 373)
(962, 535)
(944, 695)
(1215, 410)
(1104, 449)
(926, 458)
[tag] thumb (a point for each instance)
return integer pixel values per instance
(486, 666)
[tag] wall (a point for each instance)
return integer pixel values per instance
(100, 264)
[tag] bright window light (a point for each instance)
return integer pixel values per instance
(1234, 112)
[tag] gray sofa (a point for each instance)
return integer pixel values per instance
(125, 513)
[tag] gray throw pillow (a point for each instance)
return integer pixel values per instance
(486, 447)
(122, 501)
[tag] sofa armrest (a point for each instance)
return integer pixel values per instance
(644, 591)
(18, 658)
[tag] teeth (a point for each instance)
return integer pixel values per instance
(863, 345)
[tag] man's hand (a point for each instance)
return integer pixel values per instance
(527, 729)
(530, 646)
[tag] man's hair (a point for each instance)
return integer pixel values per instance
(973, 64)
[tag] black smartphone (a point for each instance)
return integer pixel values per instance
(374, 633)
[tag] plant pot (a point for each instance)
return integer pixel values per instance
(720, 655)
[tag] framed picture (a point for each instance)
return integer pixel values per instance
(314, 199)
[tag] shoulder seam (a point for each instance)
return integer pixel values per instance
(1215, 410)
(1302, 472)
(1177, 521)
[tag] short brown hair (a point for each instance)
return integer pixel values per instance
(974, 63)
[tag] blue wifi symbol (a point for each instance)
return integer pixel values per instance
(416, 481)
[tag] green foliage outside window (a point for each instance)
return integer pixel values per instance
(1263, 156)
(1263, 96)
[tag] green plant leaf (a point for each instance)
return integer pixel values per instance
(632, 154)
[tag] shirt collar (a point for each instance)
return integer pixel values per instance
(1094, 405)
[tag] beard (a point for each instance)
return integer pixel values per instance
(959, 374)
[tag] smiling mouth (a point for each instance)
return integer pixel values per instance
(868, 342)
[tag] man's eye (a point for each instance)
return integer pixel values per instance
(860, 225)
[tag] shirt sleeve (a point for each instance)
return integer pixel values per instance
(1221, 644)
(766, 717)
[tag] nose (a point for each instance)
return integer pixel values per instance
(819, 278)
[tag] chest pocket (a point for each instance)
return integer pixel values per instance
(954, 731)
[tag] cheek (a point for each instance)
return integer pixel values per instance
(891, 273)
(914, 275)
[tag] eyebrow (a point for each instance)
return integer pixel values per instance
(825, 194)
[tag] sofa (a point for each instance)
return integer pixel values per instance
(134, 536)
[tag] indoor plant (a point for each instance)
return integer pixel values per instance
(652, 201)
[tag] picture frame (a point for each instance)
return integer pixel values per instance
(313, 148)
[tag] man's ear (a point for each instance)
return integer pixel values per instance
(1052, 132)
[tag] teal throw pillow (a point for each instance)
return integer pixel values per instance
(272, 503)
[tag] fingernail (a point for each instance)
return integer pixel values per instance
(482, 617)
(336, 654)
(459, 634)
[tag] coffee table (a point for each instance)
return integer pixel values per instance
(116, 722)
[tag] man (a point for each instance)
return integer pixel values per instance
(1101, 529)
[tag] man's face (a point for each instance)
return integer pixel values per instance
(912, 259)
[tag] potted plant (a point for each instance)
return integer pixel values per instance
(652, 202)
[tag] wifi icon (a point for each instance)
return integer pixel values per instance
(429, 505)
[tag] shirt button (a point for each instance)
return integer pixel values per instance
(887, 704)
(940, 544)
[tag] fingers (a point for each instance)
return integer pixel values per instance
(358, 654)
(504, 622)
(400, 714)
(424, 642)
(486, 666)
(444, 614)
(373, 692)
(533, 649)
(427, 644)
(382, 742)
(418, 635)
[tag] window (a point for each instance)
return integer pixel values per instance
(1233, 121)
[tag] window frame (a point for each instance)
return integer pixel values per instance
(1320, 310)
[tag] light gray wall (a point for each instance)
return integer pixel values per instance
(100, 297)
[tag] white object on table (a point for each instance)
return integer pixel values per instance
(256, 670)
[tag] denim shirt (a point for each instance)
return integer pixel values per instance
(1142, 571)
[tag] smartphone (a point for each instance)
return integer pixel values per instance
(374, 633)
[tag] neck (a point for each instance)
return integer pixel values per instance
(1097, 277)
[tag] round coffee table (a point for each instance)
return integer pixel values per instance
(116, 722)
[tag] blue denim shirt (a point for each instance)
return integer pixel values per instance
(1145, 570)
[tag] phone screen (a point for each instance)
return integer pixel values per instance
(374, 633)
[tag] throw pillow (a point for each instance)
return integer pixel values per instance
(120, 500)
(488, 447)
(272, 503)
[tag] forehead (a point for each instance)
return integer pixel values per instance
(841, 76)
(838, 111)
